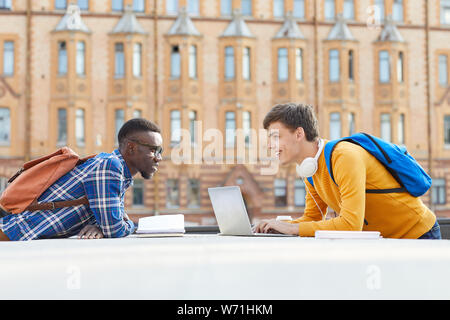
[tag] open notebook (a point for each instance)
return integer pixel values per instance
(333, 234)
(161, 226)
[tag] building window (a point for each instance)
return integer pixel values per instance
(379, 10)
(334, 68)
(175, 63)
(283, 64)
(138, 5)
(60, 4)
(401, 129)
(3, 184)
(351, 62)
(335, 125)
(447, 130)
(226, 7)
(81, 58)
(137, 60)
(229, 63)
(172, 194)
(280, 192)
(119, 61)
(278, 8)
(117, 5)
(192, 120)
(351, 124)
(397, 11)
(5, 4)
(384, 67)
(137, 114)
(349, 9)
(299, 64)
(62, 126)
(445, 11)
(299, 193)
(5, 126)
(8, 58)
(385, 126)
(193, 62)
(439, 191)
(193, 7)
(80, 133)
(400, 64)
(175, 127)
(172, 6)
(230, 128)
(83, 4)
(246, 7)
(330, 10)
(299, 9)
(246, 65)
(443, 70)
(193, 193)
(119, 120)
(62, 58)
(247, 126)
(138, 192)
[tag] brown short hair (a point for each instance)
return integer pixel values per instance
(294, 115)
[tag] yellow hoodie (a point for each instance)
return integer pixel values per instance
(395, 215)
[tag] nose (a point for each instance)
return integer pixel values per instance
(158, 158)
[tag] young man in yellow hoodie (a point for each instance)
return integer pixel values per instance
(294, 134)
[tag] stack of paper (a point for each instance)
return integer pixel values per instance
(333, 234)
(160, 226)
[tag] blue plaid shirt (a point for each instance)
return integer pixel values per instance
(103, 179)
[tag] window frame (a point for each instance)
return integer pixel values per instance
(11, 53)
(7, 127)
(438, 190)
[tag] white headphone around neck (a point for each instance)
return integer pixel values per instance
(308, 167)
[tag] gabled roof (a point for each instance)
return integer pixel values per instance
(237, 27)
(340, 31)
(290, 29)
(128, 23)
(72, 21)
(390, 32)
(183, 25)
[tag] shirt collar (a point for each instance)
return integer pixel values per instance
(127, 172)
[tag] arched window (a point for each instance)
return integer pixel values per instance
(81, 58)
(334, 68)
(283, 64)
(385, 126)
(384, 67)
(62, 58)
(137, 60)
(175, 63)
(119, 60)
(229, 63)
(175, 127)
(335, 125)
(230, 128)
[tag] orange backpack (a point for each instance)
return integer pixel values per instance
(36, 176)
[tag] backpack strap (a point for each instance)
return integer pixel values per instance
(56, 205)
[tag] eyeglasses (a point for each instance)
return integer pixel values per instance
(157, 150)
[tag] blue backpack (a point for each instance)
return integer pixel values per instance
(402, 166)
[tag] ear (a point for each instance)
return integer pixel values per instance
(299, 133)
(131, 148)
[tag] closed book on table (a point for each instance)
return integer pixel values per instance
(161, 226)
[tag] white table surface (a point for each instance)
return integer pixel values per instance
(220, 267)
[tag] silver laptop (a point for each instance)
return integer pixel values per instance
(231, 214)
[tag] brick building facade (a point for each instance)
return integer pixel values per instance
(71, 75)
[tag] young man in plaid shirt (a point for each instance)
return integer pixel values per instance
(103, 180)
